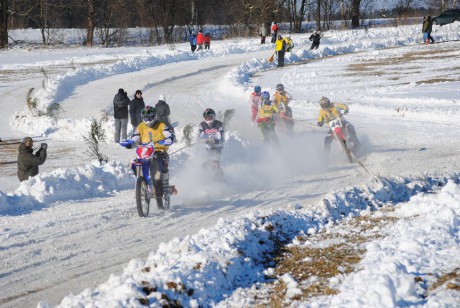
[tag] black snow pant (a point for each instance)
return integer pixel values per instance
(161, 164)
(314, 45)
(281, 58)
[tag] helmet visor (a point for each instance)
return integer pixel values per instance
(148, 118)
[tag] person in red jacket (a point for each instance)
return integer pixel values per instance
(274, 30)
(200, 40)
(207, 41)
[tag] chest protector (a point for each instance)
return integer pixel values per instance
(152, 134)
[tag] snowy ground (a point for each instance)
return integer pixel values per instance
(68, 229)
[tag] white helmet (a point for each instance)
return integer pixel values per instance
(162, 97)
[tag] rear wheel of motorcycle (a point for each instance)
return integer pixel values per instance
(142, 197)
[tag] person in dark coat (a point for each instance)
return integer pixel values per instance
(315, 38)
(27, 161)
(120, 113)
(162, 110)
(135, 108)
(426, 30)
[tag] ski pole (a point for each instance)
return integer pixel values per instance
(187, 146)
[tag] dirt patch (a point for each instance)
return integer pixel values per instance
(449, 281)
(316, 259)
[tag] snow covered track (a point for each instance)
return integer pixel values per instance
(67, 230)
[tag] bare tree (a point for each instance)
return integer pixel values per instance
(355, 13)
(297, 10)
(90, 24)
(3, 24)
(318, 15)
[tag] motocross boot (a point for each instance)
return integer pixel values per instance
(165, 184)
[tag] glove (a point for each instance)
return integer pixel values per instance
(44, 146)
(320, 124)
(345, 111)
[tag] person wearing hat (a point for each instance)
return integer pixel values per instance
(120, 113)
(162, 109)
(27, 161)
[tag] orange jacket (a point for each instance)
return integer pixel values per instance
(200, 38)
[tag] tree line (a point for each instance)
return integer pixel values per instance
(170, 20)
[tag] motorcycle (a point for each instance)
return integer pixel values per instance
(212, 164)
(148, 186)
(347, 142)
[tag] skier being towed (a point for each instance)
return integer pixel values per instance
(211, 132)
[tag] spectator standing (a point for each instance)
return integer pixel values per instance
(315, 38)
(162, 110)
(426, 30)
(135, 109)
(200, 40)
(207, 41)
(120, 113)
(263, 33)
(27, 161)
(192, 39)
(274, 31)
(280, 49)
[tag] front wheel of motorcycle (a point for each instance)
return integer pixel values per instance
(142, 197)
(347, 150)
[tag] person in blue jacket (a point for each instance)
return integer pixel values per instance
(192, 39)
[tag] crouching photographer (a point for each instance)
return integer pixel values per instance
(27, 161)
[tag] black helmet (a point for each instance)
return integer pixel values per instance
(257, 89)
(209, 113)
(148, 114)
(324, 102)
(280, 87)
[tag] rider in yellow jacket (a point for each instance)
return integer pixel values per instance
(331, 111)
(266, 121)
(281, 99)
(161, 134)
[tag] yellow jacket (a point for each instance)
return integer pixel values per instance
(280, 45)
(331, 113)
(266, 113)
(289, 44)
(282, 97)
(154, 134)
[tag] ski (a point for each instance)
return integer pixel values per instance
(19, 142)
(7, 162)
(17, 139)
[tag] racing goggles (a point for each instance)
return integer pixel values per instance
(148, 118)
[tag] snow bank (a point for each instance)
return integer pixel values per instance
(67, 184)
(206, 268)
(420, 245)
